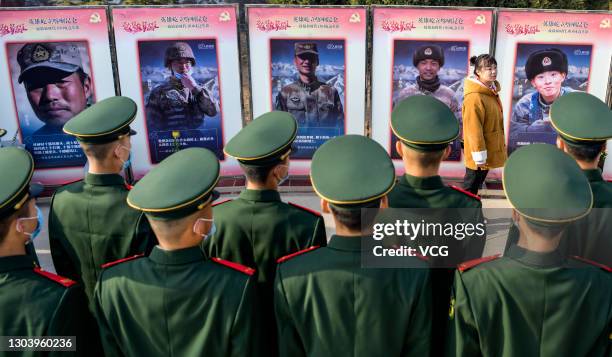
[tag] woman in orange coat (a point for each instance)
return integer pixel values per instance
(483, 123)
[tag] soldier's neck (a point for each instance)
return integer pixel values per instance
(268, 185)
(413, 169)
(343, 231)
(12, 245)
(101, 168)
(186, 240)
(535, 243)
(307, 79)
(588, 165)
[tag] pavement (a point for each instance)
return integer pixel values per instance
(496, 209)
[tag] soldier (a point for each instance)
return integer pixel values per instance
(258, 228)
(180, 103)
(533, 301)
(89, 221)
(546, 70)
(426, 127)
(34, 302)
(311, 102)
(176, 301)
(326, 304)
(428, 60)
(55, 83)
(584, 123)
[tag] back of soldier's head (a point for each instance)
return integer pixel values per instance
(554, 193)
(425, 126)
(584, 123)
(342, 180)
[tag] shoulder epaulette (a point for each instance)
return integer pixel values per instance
(110, 264)
(465, 266)
(305, 209)
(58, 279)
(221, 202)
(465, 192)
(293, 255)
(599, 265)
(241, 268)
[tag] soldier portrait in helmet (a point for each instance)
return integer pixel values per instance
(308, 78)
(434, 68)
(51, 83)
(180, 86)
(543, 73)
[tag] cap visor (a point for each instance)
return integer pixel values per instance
(63, 67)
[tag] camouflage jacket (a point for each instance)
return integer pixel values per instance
(315, 104)
(530, 109)
(172, 106)
(444, 94)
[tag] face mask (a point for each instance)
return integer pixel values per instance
(127, 162)
(210, 233)
(283, 179)
(40, 221)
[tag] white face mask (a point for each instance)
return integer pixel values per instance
(211, 231)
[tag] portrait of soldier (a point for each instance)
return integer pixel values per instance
(56, 85)
(428, 60)
(311, 102)
(546, 70)
(180, 103)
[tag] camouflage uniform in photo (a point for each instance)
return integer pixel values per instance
(173, 106)
(314, 104)
(443, 94)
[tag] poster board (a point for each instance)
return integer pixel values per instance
(401, 36)
(311, 63)
(57, 62)
(158, 46)
(542, 55)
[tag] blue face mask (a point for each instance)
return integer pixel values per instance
(39, 223)
(211, 232)
(178, 76)
(282, 180)
(127, 162)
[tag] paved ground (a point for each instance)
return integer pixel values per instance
(496, 211)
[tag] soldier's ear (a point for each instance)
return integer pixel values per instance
(447, 152)
(384, 202)
(399, 148)
(560, 144)
(325, 206)
(87, 87)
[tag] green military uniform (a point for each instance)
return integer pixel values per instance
(34, 302)
(258, 228)
(426, 124)
(530, 303)
(176, 302)
(90, 222)
(326, 304)
(582, 120)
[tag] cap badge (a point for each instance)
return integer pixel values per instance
(546, 61)
(40, 54)
(428, 52)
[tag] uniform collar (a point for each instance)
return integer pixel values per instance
(16, 262)
(593, 175)
(351, 244)
(260, 195)
(104, 179)
(540, 260)
(426, 183)
(177, 257)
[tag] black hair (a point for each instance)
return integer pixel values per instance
(586, 153)
(483, 60)
(351, 217)
(257, 174)
(550, 231)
